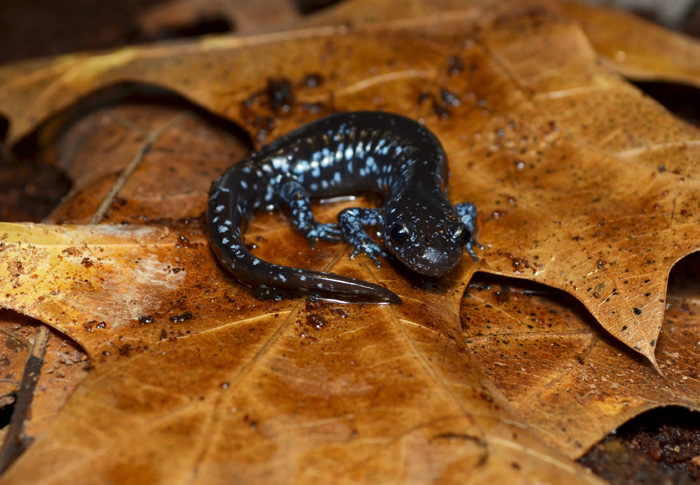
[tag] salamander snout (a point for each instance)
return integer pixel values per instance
(429, 251)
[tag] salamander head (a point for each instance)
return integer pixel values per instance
(424, 232)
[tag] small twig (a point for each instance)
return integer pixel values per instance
(14, 442)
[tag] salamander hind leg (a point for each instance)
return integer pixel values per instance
(296, 198)
(352, 223)
(467, 212)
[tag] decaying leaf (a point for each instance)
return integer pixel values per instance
(64, 367)
(582, 184)
(563, 373)
(245, 15)
(577, 175)
(194, 377)
(658, 55)
(142, 163)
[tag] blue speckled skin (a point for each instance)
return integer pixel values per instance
(343, 154)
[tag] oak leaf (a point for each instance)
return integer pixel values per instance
(582, 183)
(564, 374)
(194, 378)
(531, 132)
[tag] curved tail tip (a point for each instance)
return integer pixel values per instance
(376, 296)
(372, 293)
(379, 294)
(359, 292)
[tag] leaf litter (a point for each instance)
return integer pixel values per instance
(312, 383)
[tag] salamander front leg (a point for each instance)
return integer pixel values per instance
(467, 212)
(296, 198)
(352, 223)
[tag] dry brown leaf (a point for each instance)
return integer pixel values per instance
(64, 367)
(638, 48)
(245, 16)
(565, 376)
(368, 378)
(560, 155)
(194, 378)
(563, 159)
(143, 162)
(97, 152)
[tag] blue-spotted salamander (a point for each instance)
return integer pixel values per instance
(343, 154)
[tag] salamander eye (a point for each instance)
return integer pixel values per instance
(462, 235)
(400, 233)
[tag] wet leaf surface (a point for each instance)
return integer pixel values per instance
(563, 373)
(184, 361)
(582, 184)
(609, 165)
(180, 352)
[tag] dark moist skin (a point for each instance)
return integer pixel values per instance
(345, 153)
